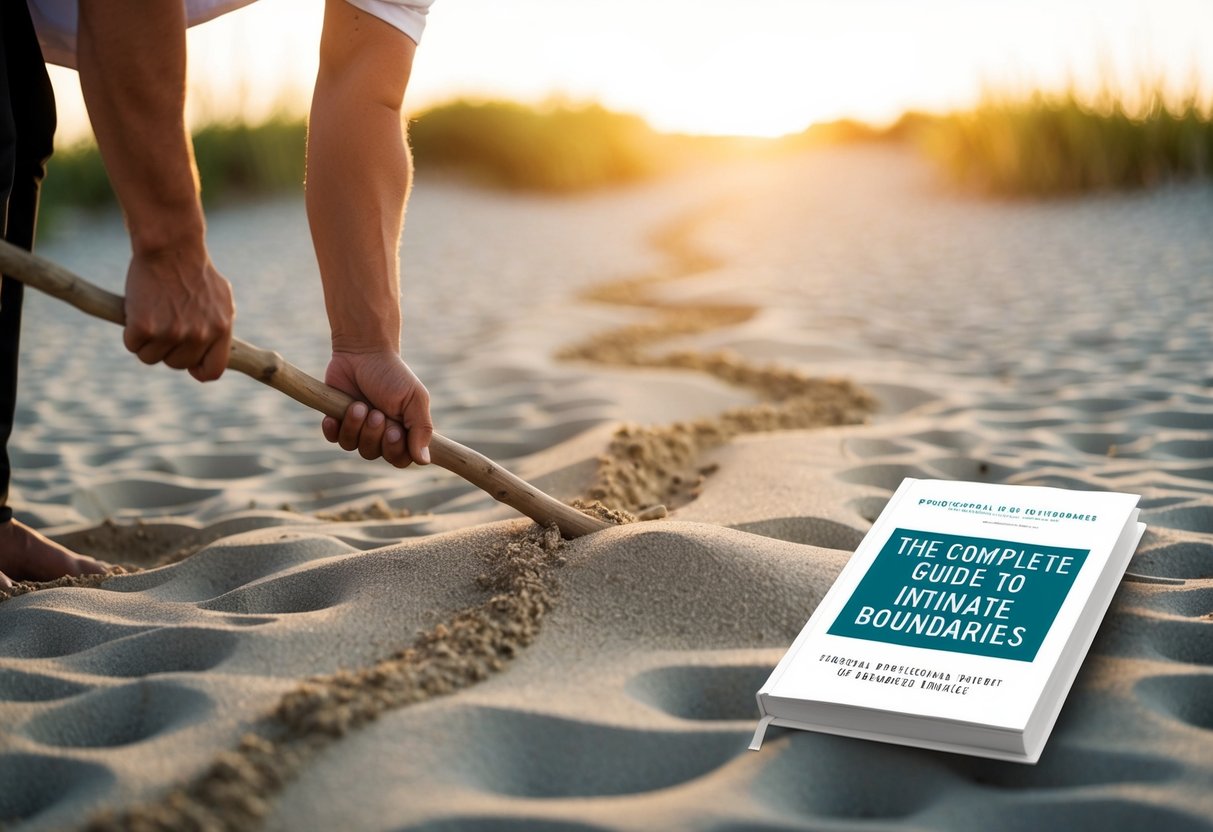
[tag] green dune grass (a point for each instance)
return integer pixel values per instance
(549, 149)
(1028, 145)
(1047, 145)
(235, 160)
(515, 146)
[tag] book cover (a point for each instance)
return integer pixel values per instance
(966, 609)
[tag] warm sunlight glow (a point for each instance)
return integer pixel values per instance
(764, 68)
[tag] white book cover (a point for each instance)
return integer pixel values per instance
(960, 605)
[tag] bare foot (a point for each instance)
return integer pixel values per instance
(25, 555)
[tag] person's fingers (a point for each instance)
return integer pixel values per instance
(214, 361)
(153, 352)
(419, 443)
(176, 344)
(420, 426)
(187, 351)
(5, 583)
(139, 339)
(135, 335)
(330, 427)
(178, 348)
(370, 439)
(351, 426)
(394, 450)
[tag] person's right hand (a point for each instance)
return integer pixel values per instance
(394, 392)
(179, 310)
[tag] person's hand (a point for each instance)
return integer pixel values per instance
(179, 310)
(383, 380)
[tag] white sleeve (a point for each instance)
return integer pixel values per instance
(58, 20)
(55, 22)
(406, 15)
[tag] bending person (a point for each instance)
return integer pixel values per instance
(179, 308)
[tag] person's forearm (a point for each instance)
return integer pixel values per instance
(358, 176)
(131, 57)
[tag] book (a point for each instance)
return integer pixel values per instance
(961, 621)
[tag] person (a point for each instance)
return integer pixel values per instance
(131, 59)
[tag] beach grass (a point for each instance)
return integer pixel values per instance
(551, 148)
(1052, 144)
(1019, 144)
(238, 160)
(235, 160)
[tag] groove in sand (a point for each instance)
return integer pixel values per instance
(643, 467)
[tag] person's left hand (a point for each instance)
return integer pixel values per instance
(179, 310)
(383, 380)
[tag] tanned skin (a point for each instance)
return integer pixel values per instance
(179, 308)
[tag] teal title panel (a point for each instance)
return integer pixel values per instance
(972, 595)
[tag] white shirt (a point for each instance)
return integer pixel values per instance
(58, 20)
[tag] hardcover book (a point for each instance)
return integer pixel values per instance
(961, 620)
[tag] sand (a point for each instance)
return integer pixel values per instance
(766, 351)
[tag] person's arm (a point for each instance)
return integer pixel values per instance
(358, 177)
(131, 56)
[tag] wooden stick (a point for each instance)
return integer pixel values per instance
(270, 368)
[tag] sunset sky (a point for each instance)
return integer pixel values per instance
(762, 67)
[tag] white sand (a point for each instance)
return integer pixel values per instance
(1058, 344)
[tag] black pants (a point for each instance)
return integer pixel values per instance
(27, 129)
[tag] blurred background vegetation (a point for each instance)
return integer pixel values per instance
(1044, 145)
(235, 160)
(1033, 144)
(554, 148)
